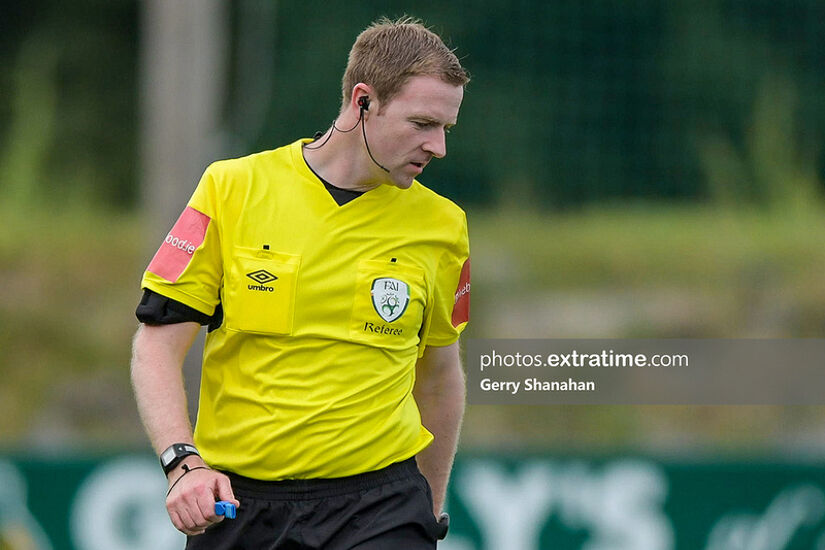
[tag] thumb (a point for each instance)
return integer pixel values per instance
(224, 491)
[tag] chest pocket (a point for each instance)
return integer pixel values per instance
(389, 304)
(260, 291)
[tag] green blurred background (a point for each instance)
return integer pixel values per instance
(630, 168)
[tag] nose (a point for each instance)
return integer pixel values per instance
(436, 145)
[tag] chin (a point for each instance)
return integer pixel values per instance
(405, 183)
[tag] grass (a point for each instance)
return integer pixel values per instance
(649, 271)
(70, 279)
(653, 244)
(734, 268)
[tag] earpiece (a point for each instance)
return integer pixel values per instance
(364, 103)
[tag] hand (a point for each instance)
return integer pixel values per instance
(192, 496)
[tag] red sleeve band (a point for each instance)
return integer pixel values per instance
(461, 309)
(178, 248)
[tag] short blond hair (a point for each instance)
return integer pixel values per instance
(388, 53)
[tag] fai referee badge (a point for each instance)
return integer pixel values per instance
(390, 298)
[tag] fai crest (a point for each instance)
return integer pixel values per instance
(390, 298)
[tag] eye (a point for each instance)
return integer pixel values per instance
(420, 125)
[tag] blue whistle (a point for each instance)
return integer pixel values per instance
(226, 509)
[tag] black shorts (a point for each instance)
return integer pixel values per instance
(385, 509)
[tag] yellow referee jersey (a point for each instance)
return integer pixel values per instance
(326, 310)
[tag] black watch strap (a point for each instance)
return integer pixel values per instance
(173, 454)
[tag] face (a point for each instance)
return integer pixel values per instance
(406, 133)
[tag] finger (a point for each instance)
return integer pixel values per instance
(202, 520)
(225, 491)
(190, 519)
(181, 518)
(206, 506)
(176, 521)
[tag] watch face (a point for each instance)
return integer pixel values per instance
(167, 456)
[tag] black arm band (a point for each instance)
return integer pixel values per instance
(156, 309)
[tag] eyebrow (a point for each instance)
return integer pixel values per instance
(431, 120)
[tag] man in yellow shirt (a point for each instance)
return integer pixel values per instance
(335, 288)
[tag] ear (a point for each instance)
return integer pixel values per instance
(363, 90)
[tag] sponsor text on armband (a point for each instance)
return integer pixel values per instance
(180, 244)
(461, 309)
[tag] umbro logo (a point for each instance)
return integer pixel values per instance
(262, 277)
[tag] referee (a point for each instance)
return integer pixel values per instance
(334, 287)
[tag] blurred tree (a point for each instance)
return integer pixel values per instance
(70, 128)
(571, 102)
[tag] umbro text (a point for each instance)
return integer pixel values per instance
(261, 288)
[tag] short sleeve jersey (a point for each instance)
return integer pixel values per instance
(326, 310)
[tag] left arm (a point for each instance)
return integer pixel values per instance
(439, 392)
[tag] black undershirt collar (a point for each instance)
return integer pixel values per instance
(341, 196)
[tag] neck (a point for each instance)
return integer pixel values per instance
(342, 160)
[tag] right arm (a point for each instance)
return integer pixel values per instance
(157, 378)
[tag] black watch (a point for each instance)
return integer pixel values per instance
(172, 456)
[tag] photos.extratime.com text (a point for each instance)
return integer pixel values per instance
(667, 371)
(605, 358)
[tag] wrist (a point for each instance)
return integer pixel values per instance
(191, 461)
(185, 470)
(174, 454)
